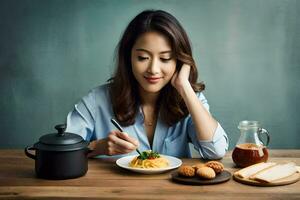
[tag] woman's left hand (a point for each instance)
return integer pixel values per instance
(180, 79)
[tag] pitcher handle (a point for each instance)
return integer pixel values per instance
(264, 131)
(26, 150)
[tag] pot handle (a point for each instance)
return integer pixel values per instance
(28, 153)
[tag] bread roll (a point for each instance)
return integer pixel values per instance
(186, 170)
(206, 173)
(216, 166)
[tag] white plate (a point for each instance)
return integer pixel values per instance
(173, 164)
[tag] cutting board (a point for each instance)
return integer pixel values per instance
(195, 180)
(285, 181)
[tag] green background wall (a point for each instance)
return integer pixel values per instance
(52, 52)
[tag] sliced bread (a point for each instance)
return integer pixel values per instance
(275, 172)
(253, 169)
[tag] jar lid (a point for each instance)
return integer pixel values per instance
(246, 124)
(60, 141)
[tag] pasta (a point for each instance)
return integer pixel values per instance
(149, 159)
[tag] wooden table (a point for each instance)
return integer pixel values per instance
(105, 180)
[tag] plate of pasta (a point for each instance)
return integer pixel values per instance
(149, 162)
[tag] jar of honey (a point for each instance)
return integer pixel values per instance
(250, 149)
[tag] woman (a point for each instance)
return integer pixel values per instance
(153, 95)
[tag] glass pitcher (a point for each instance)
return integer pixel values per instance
(250, 149)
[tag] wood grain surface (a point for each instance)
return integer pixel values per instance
(104, 180)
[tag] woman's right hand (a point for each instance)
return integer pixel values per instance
(116, 143)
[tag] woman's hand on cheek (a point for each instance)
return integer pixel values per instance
(181, 79)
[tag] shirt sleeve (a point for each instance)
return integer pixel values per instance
(81, 119)
(212, 149)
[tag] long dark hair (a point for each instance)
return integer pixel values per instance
(124, 87)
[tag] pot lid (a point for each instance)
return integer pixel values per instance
(61, 137)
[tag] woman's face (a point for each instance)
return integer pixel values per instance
(153, 64)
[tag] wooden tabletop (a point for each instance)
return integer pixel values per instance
(104, 180)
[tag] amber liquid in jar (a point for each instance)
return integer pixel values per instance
(248, 154)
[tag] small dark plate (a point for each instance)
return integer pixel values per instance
(196, 180)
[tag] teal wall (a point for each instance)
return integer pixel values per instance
(53, 51)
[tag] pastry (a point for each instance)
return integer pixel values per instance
(186, 170)
(206, 173)
(197, 166)
(216, 166)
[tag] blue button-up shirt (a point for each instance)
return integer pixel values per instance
(91, 116)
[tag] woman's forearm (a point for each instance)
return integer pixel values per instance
(204, 123)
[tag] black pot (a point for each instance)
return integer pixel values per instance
(60, 155)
